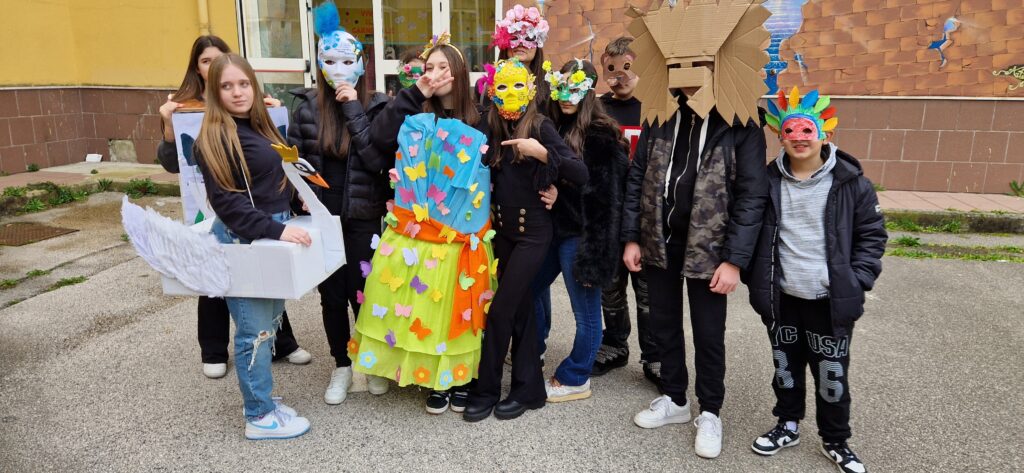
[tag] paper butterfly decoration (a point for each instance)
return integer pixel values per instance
(419, 329)
(388, 278)
(360, 297)
(386, 249)
(403, 310)
(407, 196)
(366, 268)
(379, 311)
(412, 229)
(391, 339)
(411, 256)
(436, 295)
(418, 285)
(374, 242)
(439, 252)
(436, 194)
(430, 263)
(465, 281)
(416, 172)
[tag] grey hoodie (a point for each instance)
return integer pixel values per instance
(802, 229)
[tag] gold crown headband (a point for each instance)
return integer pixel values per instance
(445, 39)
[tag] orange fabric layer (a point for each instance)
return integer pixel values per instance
(469, 261)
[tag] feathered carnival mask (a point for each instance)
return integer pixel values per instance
(572, 86)
(511, 87)
(521, 27)
(339, 54)
(807, 118)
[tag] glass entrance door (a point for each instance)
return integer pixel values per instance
(274, 37)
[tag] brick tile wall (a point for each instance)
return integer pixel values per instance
(51, 127)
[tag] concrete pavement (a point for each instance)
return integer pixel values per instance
(105, 376)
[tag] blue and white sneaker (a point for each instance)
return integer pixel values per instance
(846, 461)
(279, 405)
(774, 440)
(276, 424)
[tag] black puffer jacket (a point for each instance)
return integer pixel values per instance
(855, 239)
(728, 198)
(357, 191)
(594, 212)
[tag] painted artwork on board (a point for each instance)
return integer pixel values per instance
(786, 20)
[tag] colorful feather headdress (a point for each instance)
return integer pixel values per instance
(813, 107)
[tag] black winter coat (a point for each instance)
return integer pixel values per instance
(357, 190)
(728, 201)
(594, 211)
(855, 239)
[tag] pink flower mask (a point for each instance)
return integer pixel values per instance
(521, 27)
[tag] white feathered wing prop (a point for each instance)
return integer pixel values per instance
(176, 251)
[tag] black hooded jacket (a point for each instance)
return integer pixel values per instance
(855, 239)
(357, 190)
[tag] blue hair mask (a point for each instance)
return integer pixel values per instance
(339, 54)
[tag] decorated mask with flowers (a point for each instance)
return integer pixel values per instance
(511, 88)
(339, 54)
(521, 27)
(408, 74)
(796, 118)
(572, 86)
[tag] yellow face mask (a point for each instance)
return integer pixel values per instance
(512, 87)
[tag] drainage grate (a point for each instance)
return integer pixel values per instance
(23, 233)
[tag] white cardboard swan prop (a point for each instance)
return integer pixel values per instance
(193, 263)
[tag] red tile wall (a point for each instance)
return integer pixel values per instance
(55, 126)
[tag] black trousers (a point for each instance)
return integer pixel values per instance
(707, 319)
(338, 291)
(615, 306)
(520, 245)
(804, 337)
(215, 325)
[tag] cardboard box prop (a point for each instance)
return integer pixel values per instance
(193, 263)
(673, 39)
(186, 124)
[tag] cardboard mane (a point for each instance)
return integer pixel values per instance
(668, 40)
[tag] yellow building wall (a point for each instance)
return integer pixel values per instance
(142, 43)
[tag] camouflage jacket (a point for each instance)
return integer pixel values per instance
(728, 199)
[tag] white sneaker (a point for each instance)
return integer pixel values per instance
(215, 370)
(277, 424)
(708, 443)
(662, 412)
(337, 390)
(567, 393)
(377, 385)
(299, 357)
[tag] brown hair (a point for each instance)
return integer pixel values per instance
(589, 113)
(410, 55)
(218, 137)
(192, 86)
(528, 126)
(618, 47)
(332, 122)
(463, 106)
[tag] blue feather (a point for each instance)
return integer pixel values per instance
(809, 100)
(326, 19)
(773, 109)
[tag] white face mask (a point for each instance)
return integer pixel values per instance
(340, 56)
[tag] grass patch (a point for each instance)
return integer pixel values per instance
(900, 224)
(878, 187)
(15, 301)
(8, 283)
(1011, 254)
(67, 282)
(35, 273)
(103, 185)
(1017, 188)
(33, 205)
(139, 187)
(908, 241)
(15, 191)
(124, 237)
(32, 167)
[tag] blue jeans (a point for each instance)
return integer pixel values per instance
(256, 324)
(586, 308)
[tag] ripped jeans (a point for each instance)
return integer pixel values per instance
(256, 325)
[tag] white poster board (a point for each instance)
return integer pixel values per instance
(193, 191)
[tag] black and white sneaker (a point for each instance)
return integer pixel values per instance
(458, 399)
(774, 440)
(609, 358)
(846, 461)
(437, 402)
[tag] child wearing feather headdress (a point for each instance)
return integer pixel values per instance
(819, 251)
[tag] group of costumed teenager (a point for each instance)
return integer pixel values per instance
(458, 213)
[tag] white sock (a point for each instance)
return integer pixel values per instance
(792, 426)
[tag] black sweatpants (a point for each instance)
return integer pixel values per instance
(707, 318)
(804, 337)
(338, 291)
(214, 332)
(520, 246)
(615, 306)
